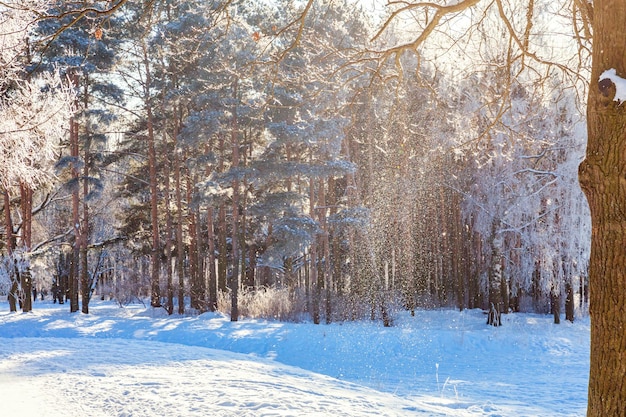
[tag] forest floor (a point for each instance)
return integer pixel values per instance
(137, 361)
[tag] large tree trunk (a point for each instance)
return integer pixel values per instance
(602, 178)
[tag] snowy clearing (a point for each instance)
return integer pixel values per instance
(136, 361)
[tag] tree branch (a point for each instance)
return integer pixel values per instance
(441, 11)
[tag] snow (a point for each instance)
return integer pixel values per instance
(620, 84)
(137, 361)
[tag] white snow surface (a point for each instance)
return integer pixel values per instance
(137, 361)
(620, 84)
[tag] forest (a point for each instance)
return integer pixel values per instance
(284, 159)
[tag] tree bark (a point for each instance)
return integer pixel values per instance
(569, 301)
(221, 230)
(555, 301)
(85, 288)
(234, 284)
(212, 271)
(602, 176)
(495, 279)
(200, 261)
(8, 225)
(73, 276)
(155, 291)
(25, 277)
(195, 290)
(168, 237)
(180, 249)
(314, 261)
(325, 251)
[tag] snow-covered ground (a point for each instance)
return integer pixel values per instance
(136, 361)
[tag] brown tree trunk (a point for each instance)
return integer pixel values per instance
(334, 240)
(555, 301)
(222, 248)
(221, 229)
(84, 271)
(155, 291)
(195, 291)
(314, 274)
(569, 301)
(325, 251)
(247, 254)
(602, 179)
(200, 260)
(8, 225)
(73, 276)
(212, 271)
(169, 227)
(234, 284)
(180, 249)
(25, 277)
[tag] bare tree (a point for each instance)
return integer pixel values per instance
(34, 115)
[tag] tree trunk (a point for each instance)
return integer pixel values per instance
(169, 227)
(155, 291)
(25, 277)
(195, 287)
(314, 262)
(555, 302)
(62, 278)
(180, 249)
(212, 271)
(234, 284)
(8, 225)
(85, 289)
(222, 261)
(325, 251)
(234, 279)
(334, 240)
(495, 280)
(200, 260)
(73, 276)
(244, 249)
(569, 301)
(602, 179)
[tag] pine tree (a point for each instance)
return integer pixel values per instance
(84, 54)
